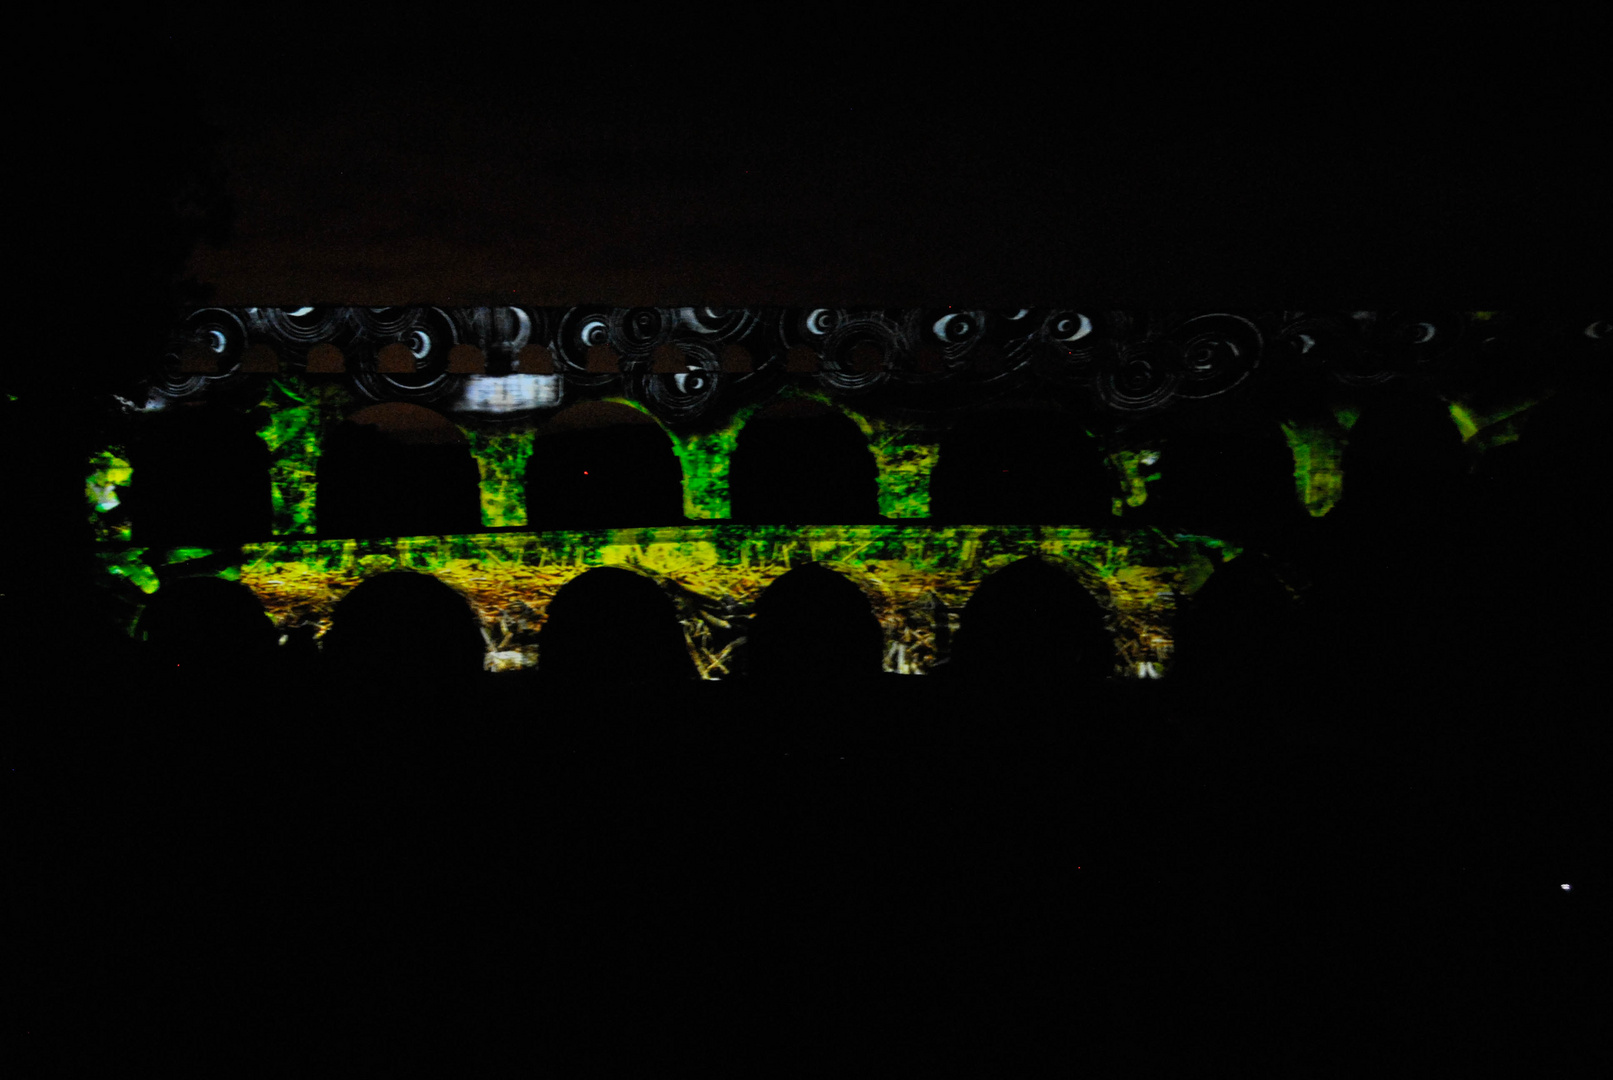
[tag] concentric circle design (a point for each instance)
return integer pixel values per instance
(683, 396)
(920, 360)
(429, 335)
(870, 335)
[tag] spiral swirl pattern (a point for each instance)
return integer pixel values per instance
(936, 359)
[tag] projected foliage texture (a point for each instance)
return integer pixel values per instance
(903, 377)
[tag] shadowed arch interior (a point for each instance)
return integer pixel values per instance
(803, 462)
(603, 464)
(1020, 466)
(1237, 629)
(1218, 479)
(199, 475)
(814, 624)
(406, 627)
(397, 470)
(207, 625)
(1404, 456)
(1032, 621)
(611, 625)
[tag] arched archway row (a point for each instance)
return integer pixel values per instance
(295, 420)
(901, 374)
(917, 579)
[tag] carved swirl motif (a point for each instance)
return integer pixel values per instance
(216, 333)
(428, 333)
(1066, 347)
(954, 336)
(580, 329)
(1214, 354)
(932, 358)
(859, 351)
(684, 395)
(302, 327)
(715, 325)
(1369, 348)
(502, 332)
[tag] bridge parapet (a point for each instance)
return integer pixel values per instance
(917, 579)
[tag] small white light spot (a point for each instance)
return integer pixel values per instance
(1567, 887)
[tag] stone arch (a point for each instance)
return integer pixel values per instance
(802, 460)
(603, 463)
(1403, 456)
(610, 625)
(404, 626)
(813, 624)
(397, 469)
(1221, 478)
(1037, 619)
(199, 474)
(207, 625)
(1229, 630)
(1021, 467)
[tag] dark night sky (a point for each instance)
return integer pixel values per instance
(996, 161)
(783, 155)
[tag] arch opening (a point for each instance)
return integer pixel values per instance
(397, 469)
(1223, 481)
(803, 462)
(1020, 467)
(603, 464)
(207, 626)
(1404, 456)
(404, 627)
(611, 626)
(1032, 622)
(812, 625)
(199, 475)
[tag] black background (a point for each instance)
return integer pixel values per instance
(1329, 159)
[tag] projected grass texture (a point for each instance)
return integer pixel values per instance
(287, 369)
(917, 578)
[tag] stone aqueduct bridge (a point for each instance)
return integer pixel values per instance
(917, 578)
(902, 376)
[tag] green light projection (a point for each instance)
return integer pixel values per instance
(705, 458)
(298, 420)
(144, 568)
(110, 471)
(1318, 448)
(1484, 428)
(906, 455)
(915, 577)
(129, 564)
(501, 455)
(918, 578)
(1135, 469)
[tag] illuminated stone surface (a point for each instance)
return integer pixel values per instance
(717, 572)
(902, 376)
